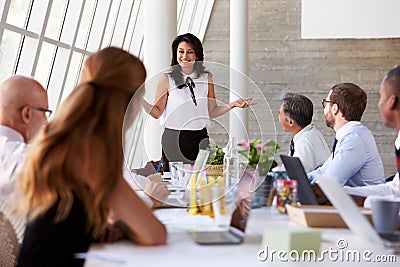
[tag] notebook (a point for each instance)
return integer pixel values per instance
(236, 231)
(295, 170)
(348, 209)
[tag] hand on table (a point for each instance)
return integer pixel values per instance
(156, 190)
(156, 177)
(113, 232)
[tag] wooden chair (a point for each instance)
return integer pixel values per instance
(9, 247)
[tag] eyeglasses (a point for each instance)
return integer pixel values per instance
(191, 85)
(324, 101)
(46, 111)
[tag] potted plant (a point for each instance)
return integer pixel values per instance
(215, 162)
(259, 161)
(259, 154)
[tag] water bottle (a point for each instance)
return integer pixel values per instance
(231, 164)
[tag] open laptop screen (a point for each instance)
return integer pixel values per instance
(295, 170)
(244, 199)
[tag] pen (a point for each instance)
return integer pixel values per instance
(159, 166)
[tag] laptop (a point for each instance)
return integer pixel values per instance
(351, 214)
(295, 170)
(235, 233)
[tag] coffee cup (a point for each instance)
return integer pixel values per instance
(385, 214)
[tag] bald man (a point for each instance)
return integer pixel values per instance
(23, 110)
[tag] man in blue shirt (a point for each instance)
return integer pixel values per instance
(355, 160)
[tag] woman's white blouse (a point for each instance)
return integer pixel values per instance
(180, 112)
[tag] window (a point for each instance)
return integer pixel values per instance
(49, 39)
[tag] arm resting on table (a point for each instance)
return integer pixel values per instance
(127, 207)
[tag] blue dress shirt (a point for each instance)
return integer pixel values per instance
(356, 161)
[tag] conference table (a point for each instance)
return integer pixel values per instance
(181, 250)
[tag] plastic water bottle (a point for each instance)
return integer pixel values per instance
(231, 164)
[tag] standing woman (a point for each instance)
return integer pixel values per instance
(72, 177)
(185, 101)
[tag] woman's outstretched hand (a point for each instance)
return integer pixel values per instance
(243, 102)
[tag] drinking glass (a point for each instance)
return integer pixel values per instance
(174, 168)
(223, 202)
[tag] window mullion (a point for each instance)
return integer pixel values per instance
(136, 20)
(115, 22)
(105, 25)
(22, 41)
(63, 20)
(21, 31)
(71, 51)
(4, 18)
(127, 24)
(90, 25)
(57, 43)
(192, 17)
(181, 14)
(41, 38)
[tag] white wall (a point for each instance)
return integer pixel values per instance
(350, 19)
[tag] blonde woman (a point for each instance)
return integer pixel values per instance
(72, 177)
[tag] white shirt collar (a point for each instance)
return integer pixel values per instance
(397, 142)
(192, 75)
(305, 129)
(345, 128)
(11, 134)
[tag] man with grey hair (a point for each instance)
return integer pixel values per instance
(308, 144)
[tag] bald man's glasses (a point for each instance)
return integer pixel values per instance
(46, 111)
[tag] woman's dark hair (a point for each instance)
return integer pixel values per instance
(198, 49)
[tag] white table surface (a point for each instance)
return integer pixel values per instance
(181, 250)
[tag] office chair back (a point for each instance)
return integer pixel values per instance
(9, 247)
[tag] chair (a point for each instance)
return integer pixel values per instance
(9, 247)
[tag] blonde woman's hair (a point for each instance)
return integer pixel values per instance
(80, 151)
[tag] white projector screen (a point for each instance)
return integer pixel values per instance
(350, 19)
